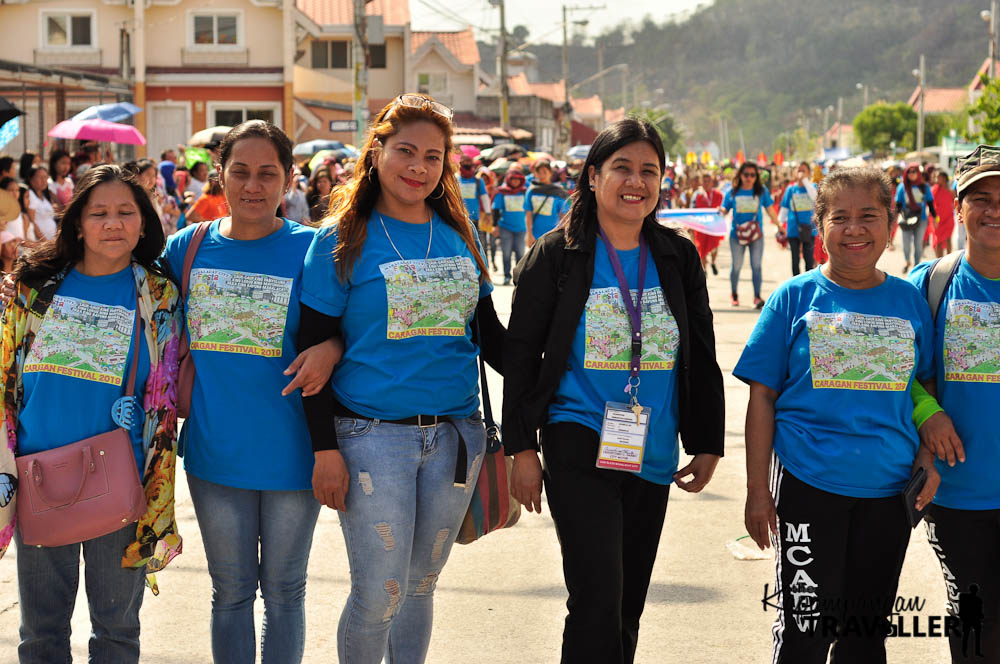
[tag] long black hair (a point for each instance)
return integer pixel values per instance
(54, 158)
(583, 213)
(67, 246)
(758, 186)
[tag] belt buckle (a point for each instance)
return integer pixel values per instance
(420, 422)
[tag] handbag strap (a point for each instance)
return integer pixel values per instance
(487, 409)
(137, 326)
(192, 250)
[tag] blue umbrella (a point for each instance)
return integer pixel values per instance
(578, 152)
(309, 148)
(116, 112)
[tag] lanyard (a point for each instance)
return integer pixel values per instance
(631, 387)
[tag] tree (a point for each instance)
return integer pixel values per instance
(666, 126)
(987, 108)
(880, 124)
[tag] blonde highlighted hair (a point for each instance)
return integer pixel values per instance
(351, 204)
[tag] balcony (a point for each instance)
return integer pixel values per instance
(202, 57)
(72, 57)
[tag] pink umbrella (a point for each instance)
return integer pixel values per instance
(469, 150)
(98, 130)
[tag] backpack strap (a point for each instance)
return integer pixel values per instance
(941, 273)
(192, 250)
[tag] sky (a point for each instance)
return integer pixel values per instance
(542, 18)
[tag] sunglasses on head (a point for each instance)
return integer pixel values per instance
(416, 101)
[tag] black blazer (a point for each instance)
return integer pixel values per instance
(553, 284)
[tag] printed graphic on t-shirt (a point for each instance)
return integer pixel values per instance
(430, 298)
(513, 203)
(747, 204)
(850, 351)
(468, 189)
(972, 342)
(608, 341)
(238, 312)
(802, 203)
(918, 195)
(542, 207)
(82, 339)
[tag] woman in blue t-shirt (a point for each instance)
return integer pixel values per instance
(245, 444)
(747, 199)
(509, 217)
(572, 347)
(830, 366)
(72, 339)
(913, 201)
(396, 270)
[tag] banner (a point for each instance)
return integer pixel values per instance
(703, 220)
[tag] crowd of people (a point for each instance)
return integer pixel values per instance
(318, 360)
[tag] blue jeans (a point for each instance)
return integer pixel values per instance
(756, 254)
(403, 515)
(511, 242)
(233, 523)
(47, 581)
(913, 241)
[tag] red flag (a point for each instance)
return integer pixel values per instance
(740, 157)
(779, 158)
(761, 159)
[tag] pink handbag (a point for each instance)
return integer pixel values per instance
(185, 377)
(86, 489)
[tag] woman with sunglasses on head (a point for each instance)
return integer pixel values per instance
(748, 199)
(913, 201)
(245, 443)
(90, 309)
(396, 269)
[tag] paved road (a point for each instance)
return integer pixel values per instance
(501, 600)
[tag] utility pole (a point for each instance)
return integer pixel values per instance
(360, 72)
(722, 140)
(600, 81)
(920, 117)
(840, 121)
(502, 66)
(993, 38)
(567, 111)
(743, 145)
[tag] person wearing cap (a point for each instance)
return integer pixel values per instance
(544, 203)
(963, 523)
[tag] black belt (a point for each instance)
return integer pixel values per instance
(424, 422)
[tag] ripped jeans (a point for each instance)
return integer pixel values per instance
(403, 514)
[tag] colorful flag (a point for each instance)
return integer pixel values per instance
(704, 220)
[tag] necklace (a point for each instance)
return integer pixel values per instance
(389, 237)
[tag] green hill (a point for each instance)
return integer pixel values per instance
(764, 64)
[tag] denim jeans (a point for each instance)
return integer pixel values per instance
(403, 515)
(47, 581)
(511, 242)
(233, 523)
(756, 254)
(913, 242)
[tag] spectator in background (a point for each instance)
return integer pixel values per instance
(707, 196)
(81, 161)
(510, 218)
(544, 203)
(913, 202)
(296, 207)
(7, 168)
(8, 251)
(477, 203)
(318, 192)
(18, 226)
(797, 210)
(60, 183)
(168, 164)
(41, 203)
(944, 204)
(211, 204)
(28, 161)
(199, 175)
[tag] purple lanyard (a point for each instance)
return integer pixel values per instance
(630, 306)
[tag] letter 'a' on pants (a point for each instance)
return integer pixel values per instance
(609, 525)
(967, 544)
(837, 562)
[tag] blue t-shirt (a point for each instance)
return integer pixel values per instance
(967, 358)
(842, 362)
(242, 315)
(511, 212)
(921, 193)
(545, 211)
(472, 189)
(79, 362)
(746, 207)
(600, 357)
(409, 347)
(800, 209)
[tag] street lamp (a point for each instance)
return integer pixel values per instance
(919, 73)
(864, 88)
(989, 15)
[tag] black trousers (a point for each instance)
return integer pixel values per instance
(806, 247)
(609, 524)
(967, 544)
(837, 569)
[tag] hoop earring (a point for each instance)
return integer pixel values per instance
(439, 196)
(370, 169)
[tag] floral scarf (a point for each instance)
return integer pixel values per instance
(156, 539)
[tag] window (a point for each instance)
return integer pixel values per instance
(67, 30)
(331, 55)
(432, 84)
(230, 117)
(216, 30)
(376, 56)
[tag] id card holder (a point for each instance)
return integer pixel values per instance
(623, 442)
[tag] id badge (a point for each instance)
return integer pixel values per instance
(623, 441)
